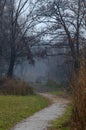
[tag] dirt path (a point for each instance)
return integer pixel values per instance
(41, 119)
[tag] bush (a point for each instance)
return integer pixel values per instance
(15, 87)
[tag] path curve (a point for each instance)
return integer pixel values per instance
(40, 120)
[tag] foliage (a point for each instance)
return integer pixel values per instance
(15, 87)
(15, 108)
(63, 122)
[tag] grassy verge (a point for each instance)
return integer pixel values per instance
(15, 108)
(59, 93)
(54, 86)
(63, 122)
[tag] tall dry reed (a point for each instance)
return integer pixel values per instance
(79, 100)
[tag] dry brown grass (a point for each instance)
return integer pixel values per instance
(79, 100)
(14, 87)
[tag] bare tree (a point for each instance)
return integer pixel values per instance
(64, 20)
(18, 23)
(2, 5)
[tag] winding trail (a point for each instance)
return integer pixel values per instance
(41, 119)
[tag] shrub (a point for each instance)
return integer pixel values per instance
(15, 87)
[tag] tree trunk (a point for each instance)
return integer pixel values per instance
(11, 66)
(77, 64)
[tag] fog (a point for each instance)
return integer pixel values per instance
(32, 73)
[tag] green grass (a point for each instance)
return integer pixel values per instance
(55, 86)
(15, 108)
(58, 93)
(63, 122)
(61, 93)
